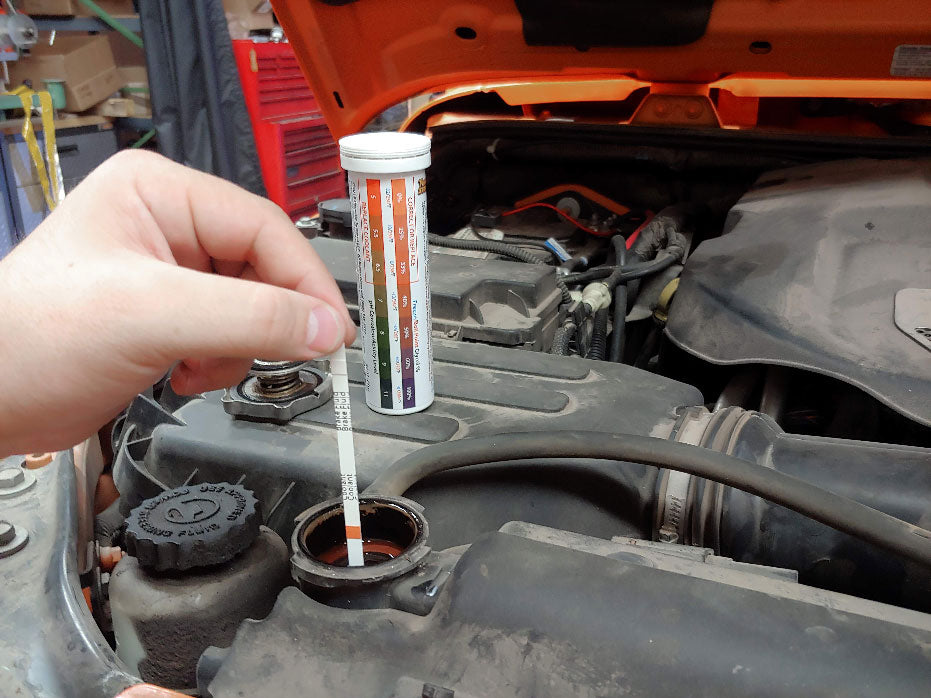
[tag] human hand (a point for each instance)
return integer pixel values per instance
(144, 264)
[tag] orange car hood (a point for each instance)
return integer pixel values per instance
(363, 56)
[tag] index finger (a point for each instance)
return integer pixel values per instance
(203, 217)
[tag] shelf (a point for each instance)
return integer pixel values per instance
(13, 127)
(84, 24)
(55, 88)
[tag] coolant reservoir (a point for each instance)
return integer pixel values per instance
(199, 565)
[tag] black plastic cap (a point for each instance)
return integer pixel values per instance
(193, 526)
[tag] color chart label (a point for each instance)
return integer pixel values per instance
(389, 228)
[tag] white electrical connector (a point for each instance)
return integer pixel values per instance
(597, 296)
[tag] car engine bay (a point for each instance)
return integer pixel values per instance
(606, 309)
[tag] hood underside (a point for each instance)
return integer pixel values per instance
(363, 56)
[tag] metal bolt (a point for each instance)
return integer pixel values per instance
(7, 533)
(11, 477)
(308, 226)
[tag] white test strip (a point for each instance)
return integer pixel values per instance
(347, 458)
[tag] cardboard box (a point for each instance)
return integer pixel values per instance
(134, 86)
(116, 8)
(45, 7)
(251, 15)
(74, 7)
(125, 52)
(84, 63)
(133, 75)
(124, 106)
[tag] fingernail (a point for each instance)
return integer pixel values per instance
(324, 329)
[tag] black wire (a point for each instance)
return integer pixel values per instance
(563, 290)
(485, 245)
(501, 248)
(630, 271)
(597, 348)
(817, 503)
(562, 338)
(527, 242)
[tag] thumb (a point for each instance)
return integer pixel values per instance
(220, 316)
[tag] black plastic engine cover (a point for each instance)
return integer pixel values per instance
(476, 300)
(806, 275)
(479, 390)
(524, 618)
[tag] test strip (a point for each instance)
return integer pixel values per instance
(347, 458)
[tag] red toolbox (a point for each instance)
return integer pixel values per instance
(298, 156)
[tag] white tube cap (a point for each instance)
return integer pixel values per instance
(384, 152)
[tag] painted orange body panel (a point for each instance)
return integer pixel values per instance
(363, 57)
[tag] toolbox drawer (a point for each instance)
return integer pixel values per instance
(80, 150)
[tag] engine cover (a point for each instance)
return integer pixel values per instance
(475, 300)
(806, 275)
(533, 612)
(480, 390)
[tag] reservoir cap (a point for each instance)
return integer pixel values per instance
(193, 526)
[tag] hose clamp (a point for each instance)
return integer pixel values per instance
(675, 485)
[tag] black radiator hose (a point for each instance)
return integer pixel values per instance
(815, 502)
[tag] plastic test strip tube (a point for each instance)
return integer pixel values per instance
(388, 200)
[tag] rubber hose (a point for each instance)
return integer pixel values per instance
(574, 263)
(619, 319)
(620, 258)
(501, 248)
(840, 513)
(108, 523)
(630, 272)
(599, 343)
(618, 325)
(650, 343)
(561, 339)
